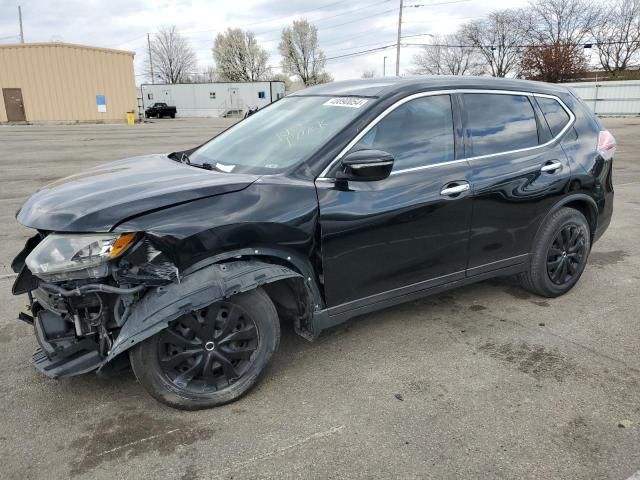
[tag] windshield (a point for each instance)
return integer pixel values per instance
(279, 136)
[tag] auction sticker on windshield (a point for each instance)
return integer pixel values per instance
(350, 102)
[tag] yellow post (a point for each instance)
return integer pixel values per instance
(131, 118)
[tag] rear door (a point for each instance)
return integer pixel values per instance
(385, 238)
(517, 171)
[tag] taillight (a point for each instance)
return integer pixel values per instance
(606, 144)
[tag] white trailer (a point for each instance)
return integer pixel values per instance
(212, 99)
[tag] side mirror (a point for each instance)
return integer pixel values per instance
(366, 166)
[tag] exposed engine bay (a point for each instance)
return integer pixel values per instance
(75, 319)
(86, 315)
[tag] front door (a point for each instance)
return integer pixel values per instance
(13, 104)
(405, 233)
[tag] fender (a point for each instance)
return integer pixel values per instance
(194, 291)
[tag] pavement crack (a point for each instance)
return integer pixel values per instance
(280, 450)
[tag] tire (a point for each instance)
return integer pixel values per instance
(559, 254)
(221, 370)
(173, 115)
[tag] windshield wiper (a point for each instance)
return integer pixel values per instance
(182, 157)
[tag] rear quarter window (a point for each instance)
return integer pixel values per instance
(555, 115)
(498, 123)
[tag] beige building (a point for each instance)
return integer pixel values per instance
(61, 82)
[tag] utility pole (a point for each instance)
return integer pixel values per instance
(384, 66)
(153, 78)
(398, 44)
(20, 20)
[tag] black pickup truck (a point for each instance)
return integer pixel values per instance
(160, 110)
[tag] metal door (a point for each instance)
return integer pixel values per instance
(13, 104)
(233, 98)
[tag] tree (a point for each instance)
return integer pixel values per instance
(446, 56)
(281, 77)
(558, 22)
(555, 31)
(238, 56)
(301, 55)
(207, 75)
(498, 39)
(322, 77)
(617, 35)
(368, 73)
(553, 63)
(173, 58)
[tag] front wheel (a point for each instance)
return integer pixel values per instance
(559, 254)
(211, 356)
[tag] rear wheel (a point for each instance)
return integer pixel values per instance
(559, 254)
(211, 356)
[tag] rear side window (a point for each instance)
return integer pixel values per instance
(417, 133)
(556, 116)
(500, 123)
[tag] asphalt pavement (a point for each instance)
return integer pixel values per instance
(487, 381)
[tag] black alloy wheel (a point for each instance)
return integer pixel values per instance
(208, 349)
(559, 254)
(566, 254)
(209, 356)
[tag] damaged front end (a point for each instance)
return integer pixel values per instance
(81, 290)
(94, 296)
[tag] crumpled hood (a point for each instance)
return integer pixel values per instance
(100, 198)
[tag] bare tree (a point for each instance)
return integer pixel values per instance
(555, 31)
(498, 39)
(301, 55)
(173, 58)
(371, 73)
(617, 36)
(207, 75)
(238, 56)
(446, 56)
(558, 22)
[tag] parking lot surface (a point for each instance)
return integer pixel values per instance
(486, 381)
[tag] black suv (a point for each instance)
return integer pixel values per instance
(333, 202)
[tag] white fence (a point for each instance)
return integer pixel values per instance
(610, 98)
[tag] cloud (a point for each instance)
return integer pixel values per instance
(344, 27)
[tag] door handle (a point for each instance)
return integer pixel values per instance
(454, 189)
(551, 166)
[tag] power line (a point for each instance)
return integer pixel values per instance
(274, 19)
(585, 45)
(329, 27)
(355, 54)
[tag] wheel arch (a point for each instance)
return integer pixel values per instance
(581, 202)
(201, 285)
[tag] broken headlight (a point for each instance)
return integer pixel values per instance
(73, 256)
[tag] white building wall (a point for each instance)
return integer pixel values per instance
(212, 99)
(610, 98)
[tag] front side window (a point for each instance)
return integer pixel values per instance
(281, 135)
(498, 123)
(417, 133)
(556, 116)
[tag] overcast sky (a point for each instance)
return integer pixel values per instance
(344, 26)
